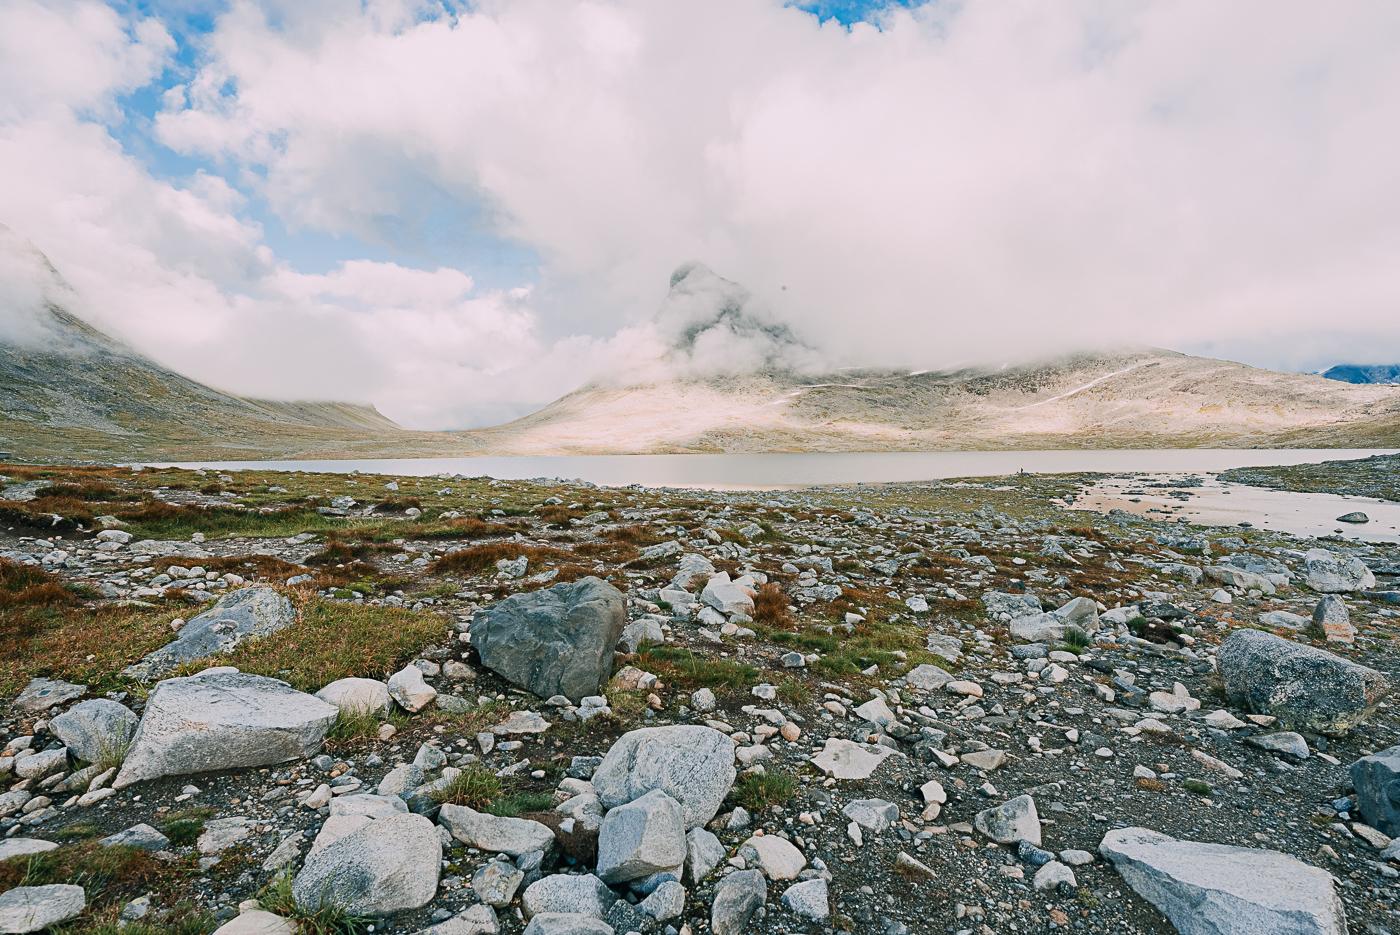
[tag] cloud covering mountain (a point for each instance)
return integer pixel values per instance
(460, 212)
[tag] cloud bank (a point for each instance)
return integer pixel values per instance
(957, 182)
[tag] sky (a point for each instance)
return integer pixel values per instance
(460, 211)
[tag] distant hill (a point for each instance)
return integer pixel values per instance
(1364, 373)
(67, 390)
(1143, 398)
(733, 382)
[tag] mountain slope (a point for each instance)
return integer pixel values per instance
(70, 391)
(738, 382)
(1364, 373)
(1146, 398)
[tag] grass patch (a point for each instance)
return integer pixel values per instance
(335, 640)
(109, 875)
(515, 804)
(760, 791)
(29, 586)
(184, 826)
(477, 787)
(158, 520)
(57, 637)
(328, 920)
(685, 669)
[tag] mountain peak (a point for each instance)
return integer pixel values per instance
(714, 325)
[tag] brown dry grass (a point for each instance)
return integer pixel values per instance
(481, 558)
(770, 608)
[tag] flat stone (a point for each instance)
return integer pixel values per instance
(777, 857)
(257, 922)
(1286, 742)
(513, 836)
(928, 677)
(358, 696)
(872, 814)
(143, 837)
(475, 920)
(235, 618)
(566, 923)
(577, 894)
(1217, 889)
(845, 759)
(35, 908)
(23, 847)
(224, 720)
(41, 694)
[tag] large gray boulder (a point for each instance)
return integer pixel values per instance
(223, 720)
(1217, 889)
(35, 908)
(737, 897)
(558, 641)
(643, 837)
(1376, 779)
(1305, 688)
(389, 865)
(1330, 573)
(567, 923)
(95, 728)
(693, 765)
(581, 894)
(235, 618)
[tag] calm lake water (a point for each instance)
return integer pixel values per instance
(1213, 503)
(774, 471)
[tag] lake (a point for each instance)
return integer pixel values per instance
(778, 471)
(1215, 503)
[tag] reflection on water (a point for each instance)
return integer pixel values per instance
(772, 471)
(1213, 503)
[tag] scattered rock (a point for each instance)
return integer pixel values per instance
(693, 765)
(558, 641)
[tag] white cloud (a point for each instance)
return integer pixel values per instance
(1015, 176)
(985, 179)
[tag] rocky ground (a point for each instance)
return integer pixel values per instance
(1377, 476)
(280, 702)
